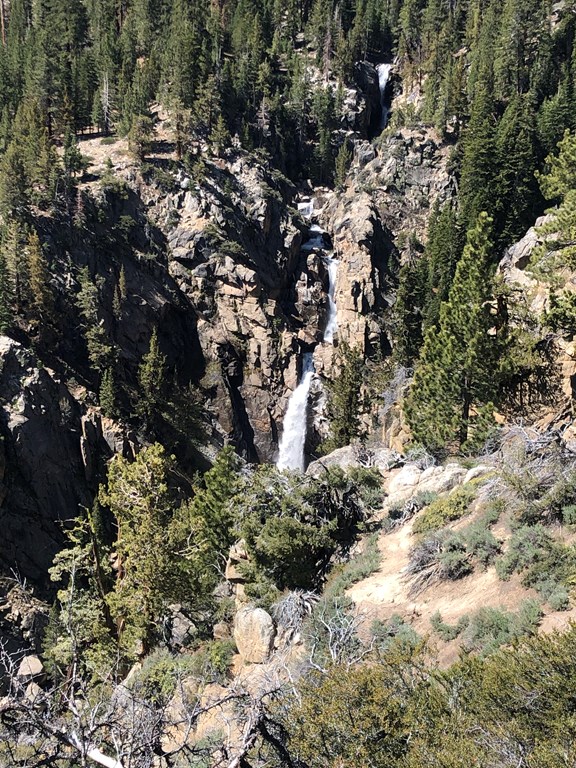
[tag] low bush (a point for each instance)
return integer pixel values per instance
(402, 511)
(528, 545)
(369, 483)
(392, 632)
(454, 560)
(481, 543)
(490, 628)
(445, 510)
(357, 569)
(448, 632)
(569, 514)
(555, 594)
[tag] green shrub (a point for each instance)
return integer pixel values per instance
(156, 681)
(445, 509)
(212, 661)
(555, 594)
(493, 511)
(490, 628)
(393, 632)
(453, 559)
(448, 632)
(403, 511)
(559, 599)
(357, 569)
(455, 565)
(569, 514)
(527, 620)
(294, 527)
(482, 544)
(369, 483)
(528, 545)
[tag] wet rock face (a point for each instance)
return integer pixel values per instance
(364, 249)
(50, 454)
(377, 221)
(233, 251)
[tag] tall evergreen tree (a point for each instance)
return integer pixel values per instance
(41, 296)
(518, 196)
(443, 249)
(479, 164)
(454, 381)
(152, 382)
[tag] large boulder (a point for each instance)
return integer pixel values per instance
(254, 633)
(30, 668)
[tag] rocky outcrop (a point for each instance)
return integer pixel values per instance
(233, 248)
(377, 223)
(52, 447)
(254, 633)
(30, 668)
(554, 407)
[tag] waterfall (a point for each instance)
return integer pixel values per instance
(291, 449)
(306, 209)
(316, 239)
(332, 322)
(383, 76)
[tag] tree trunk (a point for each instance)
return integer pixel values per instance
(465, 416)
(3, 22)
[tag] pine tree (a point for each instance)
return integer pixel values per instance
(518, 197)
(443, 249)
(203, 528)
(479, 164)
(455, 380)
(148, 577)
(41, 296)
(558, 184)
(5, 308)
(140, 137)
(107, 395)
(220, 136)
(100, 349)
(343, 160)
(408, 310)
(152, 382)
(14, 184)
(344, 398)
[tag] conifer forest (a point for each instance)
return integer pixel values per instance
(287, 383)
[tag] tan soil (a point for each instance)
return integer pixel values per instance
(386, 592)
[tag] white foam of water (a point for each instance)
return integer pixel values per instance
(332, 322)
(316, 239)
(383, 77)
(291, 448)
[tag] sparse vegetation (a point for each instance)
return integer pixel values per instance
(448, 632)
(445, 509)
(490, 628)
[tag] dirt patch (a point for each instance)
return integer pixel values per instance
(387, 592)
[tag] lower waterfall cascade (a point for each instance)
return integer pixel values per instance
(294, 426)
(383, 77)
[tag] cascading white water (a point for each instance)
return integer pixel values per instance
(316, 239)
(383, 77)
(332, 322)
(306, 209)
(291, 449)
